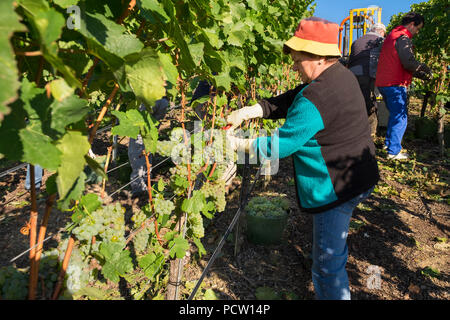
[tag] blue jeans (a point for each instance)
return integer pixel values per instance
(330, 252)
(396, 100)
(37, 177)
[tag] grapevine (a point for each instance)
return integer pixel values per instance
(63, 83)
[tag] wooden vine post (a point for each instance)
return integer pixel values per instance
(32, 233)
(176, 265)
(441, 114)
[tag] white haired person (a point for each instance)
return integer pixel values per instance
(363, 62)
(326, 132)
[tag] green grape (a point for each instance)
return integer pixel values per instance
(177, 134)
(140, 240)
(196, 225)
(13, 283)
(164, 207)
(216, 191)
(268, 207)
(165, 148)
(107, 222)
(220, 122)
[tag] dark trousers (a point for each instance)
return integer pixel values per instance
(367, 85)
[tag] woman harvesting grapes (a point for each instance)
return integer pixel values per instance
(327, 134)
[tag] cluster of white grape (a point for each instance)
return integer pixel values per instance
(215, 190)
(48, 271)
(13, 283)
(196, 225)
(163, 207)
(268, 207)
(141, 238)
(165, 147)
(108, 223)
(220, 122)
(78, 273)
(220, 150)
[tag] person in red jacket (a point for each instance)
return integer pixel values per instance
(396, 68)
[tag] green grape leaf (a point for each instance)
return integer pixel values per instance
(151, 264)
(179, 246)
(153, 11)
(108, 40)
(70, 110)
(223, 81)
(237, 34)
(195, 204)
(72, 160)
(9, 22)
(196, 51)
(170, 70)
(66, 3)
(129, 123)
(201, 248)
(145, 77)
(50, 184)
(96, 167)
(88, 204)
(60, 89)
(149, 133)
(210, 295)
(117, 261)
(181, 182)
(161, 185)
(38, 148)
(208, 210)
(74, 193)
(213, 37)
(168, 236)
(33, 6)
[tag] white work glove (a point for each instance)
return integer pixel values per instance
(238, 116)
(240, 144)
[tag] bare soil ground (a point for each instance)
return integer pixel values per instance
(398, 240)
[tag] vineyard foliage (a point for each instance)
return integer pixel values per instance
(64, 60)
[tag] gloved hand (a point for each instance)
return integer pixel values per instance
(236, 117)
(423, 72)
(239, 144)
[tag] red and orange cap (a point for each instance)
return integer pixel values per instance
(315, 35)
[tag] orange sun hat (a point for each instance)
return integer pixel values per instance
(315, 35)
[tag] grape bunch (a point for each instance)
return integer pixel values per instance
(108, 223)
(141, 238)
(48, 271)
(268, 207)
(78, 273)
(13, 283)
(220, 122)
(177, 134)
(196, 225)
(165, 147)
(163, 207)
(216, 191)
